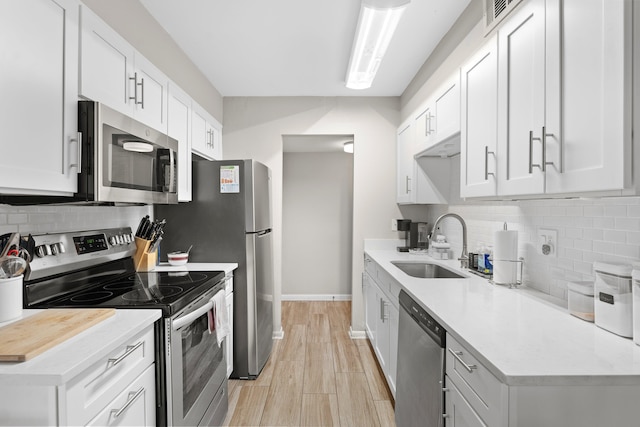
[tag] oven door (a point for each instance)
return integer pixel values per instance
(196, 366)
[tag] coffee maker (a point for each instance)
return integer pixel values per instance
(404, 225)
(418, 236)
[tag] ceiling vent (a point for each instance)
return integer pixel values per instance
(495, 11)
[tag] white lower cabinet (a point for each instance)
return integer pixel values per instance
(381, 319)
(458, 412)
(476, 397)
(112, 382)
(135, 406)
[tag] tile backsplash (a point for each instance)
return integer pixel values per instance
(50, 218)
(588, 230)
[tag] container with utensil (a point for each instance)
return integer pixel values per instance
(10, 298)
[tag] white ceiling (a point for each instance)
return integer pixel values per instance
(297, 47)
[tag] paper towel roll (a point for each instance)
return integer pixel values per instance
(505, 255)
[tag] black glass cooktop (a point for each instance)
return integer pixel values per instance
(119, 287)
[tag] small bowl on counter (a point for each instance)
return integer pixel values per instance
(178, 257)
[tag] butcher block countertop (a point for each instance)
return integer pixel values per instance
(58, 364)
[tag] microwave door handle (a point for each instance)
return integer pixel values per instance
(172, 171)
(190, 317)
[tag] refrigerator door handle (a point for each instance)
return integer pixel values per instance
(260, 233)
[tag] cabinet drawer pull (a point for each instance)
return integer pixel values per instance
(130, 349)
(133, 395)
(544, 149)
(531, 164)
(457, 355)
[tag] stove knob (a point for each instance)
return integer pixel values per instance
(120, 239)
(127, 238)
(113, 240)
(43, 250)
(54, 249)
(40, 251)
(60, 248)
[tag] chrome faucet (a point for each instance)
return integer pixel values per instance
(464, 257)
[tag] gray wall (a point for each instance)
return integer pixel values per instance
(254, 128)
(317, 200)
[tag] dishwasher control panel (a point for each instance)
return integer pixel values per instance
(423, 318)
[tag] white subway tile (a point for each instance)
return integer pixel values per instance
(615, 210)
(630, 224)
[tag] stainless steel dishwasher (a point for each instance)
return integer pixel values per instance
(420, 377)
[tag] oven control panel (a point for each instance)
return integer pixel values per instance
(59, 252)
(92, 243)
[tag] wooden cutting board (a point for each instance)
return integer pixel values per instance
(28, 337)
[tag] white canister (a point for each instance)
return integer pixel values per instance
(10, 298)
(613, 298)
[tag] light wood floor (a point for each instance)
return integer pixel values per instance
(316, 375)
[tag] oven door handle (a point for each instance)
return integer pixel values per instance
(190, 317)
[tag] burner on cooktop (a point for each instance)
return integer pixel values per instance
(151, 294)
(92, 296)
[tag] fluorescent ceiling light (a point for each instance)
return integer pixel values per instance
(348, 147)
(377, 23)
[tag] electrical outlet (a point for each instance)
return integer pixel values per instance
(547, 242)
(394, 225)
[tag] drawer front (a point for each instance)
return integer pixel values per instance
(92, 390)
(458, 412)
(484, 392)
(383, 278)
(135, 406)
(370, 266)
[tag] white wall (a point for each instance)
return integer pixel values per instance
(48, 218)
(317, 210)
(589, 230)
(254, 128)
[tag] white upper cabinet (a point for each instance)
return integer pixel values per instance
(478, 134)
(588, 104)
(39, 87)
(405, 164)
(179, 127)
(439, 119)
(113, 73)
(206, 139)
(564, 98)
(521, 95)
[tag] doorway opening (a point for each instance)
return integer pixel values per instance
(317, 217)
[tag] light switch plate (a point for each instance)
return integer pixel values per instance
(394, 225)
(547, 242)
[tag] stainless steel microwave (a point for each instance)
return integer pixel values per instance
(122, 162)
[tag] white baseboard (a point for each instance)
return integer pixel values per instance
(357, 335)
(278, 335)
(316, 297)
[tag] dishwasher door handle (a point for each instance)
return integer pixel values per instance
(458, 356)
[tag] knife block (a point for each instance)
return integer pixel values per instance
(143, 259)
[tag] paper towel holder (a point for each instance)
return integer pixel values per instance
(520, 268)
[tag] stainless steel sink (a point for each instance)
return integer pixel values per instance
(426, 270)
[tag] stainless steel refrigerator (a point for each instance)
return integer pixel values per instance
(229, 220)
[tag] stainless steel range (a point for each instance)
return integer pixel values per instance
(95, 269)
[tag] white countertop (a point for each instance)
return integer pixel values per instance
(61, 363)
(227, 267)
(521, 338)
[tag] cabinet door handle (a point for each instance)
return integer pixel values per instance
(133, 395)
(458, 356)
(135, 88)
(141, 93)
(130, 349)
(78, 160)
(407, 185)
(531, 164)
(544, 150)
(486, 162)
(431, 117)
